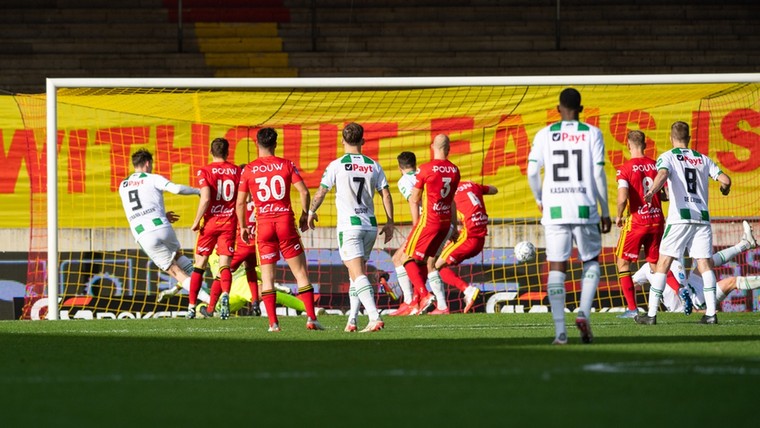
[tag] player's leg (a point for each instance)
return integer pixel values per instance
(452, 255)
(700, 249)
(289, 243)
(626, 251)
(398, 259)
(588, 239)
(674, 240)
(268, 252)
(558, 249)
(747, 242)
(727, 285)
(415, 263)
(354, 250)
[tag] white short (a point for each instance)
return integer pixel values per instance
(560, 237)
(697, 238)
(356, 243)
(161, 245)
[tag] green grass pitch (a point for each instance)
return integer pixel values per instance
(458, 370)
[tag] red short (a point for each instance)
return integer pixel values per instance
(426, 239)
(222, 239)
(243, 253)
(462, 249)
(633, 237)
(274, 237)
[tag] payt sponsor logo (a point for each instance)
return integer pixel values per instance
(568, 137)
(359, 168)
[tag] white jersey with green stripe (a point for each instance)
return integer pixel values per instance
(356, 178)
(142, 195)
(406, 184)
(569, 151)
(688, 178)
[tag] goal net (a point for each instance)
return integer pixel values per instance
(82, 249)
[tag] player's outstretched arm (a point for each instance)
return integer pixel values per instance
(534, 181)
(181, 189)
(303, 191)
(492, 190)
(316, 202)
(389, 227)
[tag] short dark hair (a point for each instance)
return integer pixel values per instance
(267, 138)
(407, 160)
(141, 157)
(353, 134)
(220, 148)
(679, 131)
(638, 138)
(570, 98)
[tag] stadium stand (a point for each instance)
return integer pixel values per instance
(60, 38)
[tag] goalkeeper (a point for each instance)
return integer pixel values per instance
(240, 292)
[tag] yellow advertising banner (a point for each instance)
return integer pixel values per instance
(491, 129)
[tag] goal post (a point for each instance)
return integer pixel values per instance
(490, 119)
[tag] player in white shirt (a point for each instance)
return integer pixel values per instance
(571, 153)
(688, 223)
(356, 178)
(142, 195)
(407, 164)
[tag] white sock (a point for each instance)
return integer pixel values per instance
(434, 279)
(353, 298)
(366, 296)
(185, 264)
(555, 288)
(656, 285)
(748, 282)
(405, 283)
(588, 286)
(720, 295)
(723, 256)
(708, 278)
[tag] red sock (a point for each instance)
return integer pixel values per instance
(269, 299)
(449, 277)
(196, 280)
(225, 278)
(216, 291)
(414, 271)
(306, 294)
(253, 283)
(626, 284)
(672, 281)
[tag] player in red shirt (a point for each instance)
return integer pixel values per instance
(472, 237)
(244, 252)
(268, 180)
(645, 225)
(215, 222)
(437, 181)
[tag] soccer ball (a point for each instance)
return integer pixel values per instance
(525, 252)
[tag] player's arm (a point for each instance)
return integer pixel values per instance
(659, 182)
(534, 181)
(622, 202)
(490, 190)
(181, 189)
(240, 203)
(202, 207)
(316, 202)
(414, 204)
(725, 183)
(388, 206)
(600, 182)
(303, 191)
